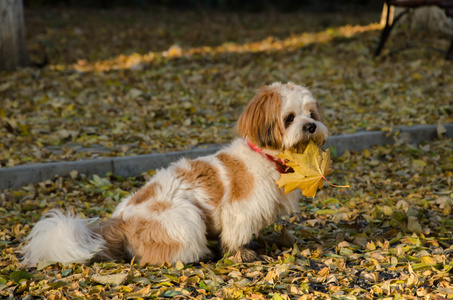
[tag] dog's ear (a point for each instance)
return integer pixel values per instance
(317, 112)
(260, 122)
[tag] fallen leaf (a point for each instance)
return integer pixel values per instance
(115, 279)
(310, 169)
(413, 225)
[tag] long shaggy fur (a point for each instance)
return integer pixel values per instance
(62, 238)
(227, 196)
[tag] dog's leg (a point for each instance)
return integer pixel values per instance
(233, 240)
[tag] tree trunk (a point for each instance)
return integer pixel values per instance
(13, 49)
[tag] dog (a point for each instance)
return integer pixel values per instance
(229, 196)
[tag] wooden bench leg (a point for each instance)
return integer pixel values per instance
(450, 51)
(387, 29)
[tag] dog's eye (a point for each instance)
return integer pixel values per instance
(314, 115)
(289, 119)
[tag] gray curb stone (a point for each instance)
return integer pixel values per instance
(16, 177)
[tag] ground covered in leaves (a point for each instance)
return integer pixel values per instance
(389, 236)
(125, 81)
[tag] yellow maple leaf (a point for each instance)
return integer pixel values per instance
(310, 170)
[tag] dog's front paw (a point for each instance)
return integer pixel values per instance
(207, 257)
(245, 255)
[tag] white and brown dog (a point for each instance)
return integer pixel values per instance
(230, 195)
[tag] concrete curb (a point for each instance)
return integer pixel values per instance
(16, 177)
(364, 140)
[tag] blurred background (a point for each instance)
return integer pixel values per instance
(114, 78)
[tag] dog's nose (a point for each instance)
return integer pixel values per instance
(310, 128)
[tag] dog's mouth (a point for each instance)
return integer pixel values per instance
(300, 146)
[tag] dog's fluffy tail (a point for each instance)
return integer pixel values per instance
(64, 238)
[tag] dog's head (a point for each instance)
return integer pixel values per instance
(282, 116)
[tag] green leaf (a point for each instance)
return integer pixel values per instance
(330, 201)
(346, 251)
(142, 280)
(203, 285)
(276, 297)
(66, 272)
(17, 276)
(57, 284)
(3, 283)
(171, 294)
(326, 212)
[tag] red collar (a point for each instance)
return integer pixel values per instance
(279, 163)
